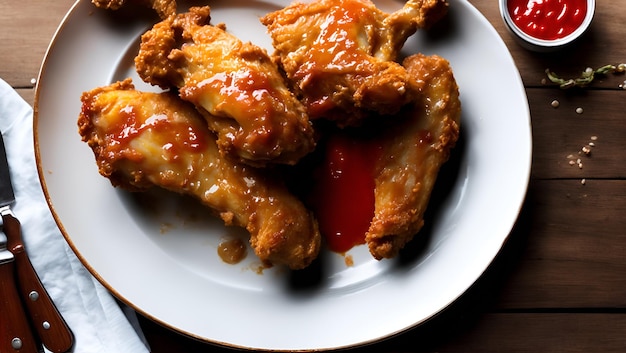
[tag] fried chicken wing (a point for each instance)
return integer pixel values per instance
(413, 152)
(141, 140)
(164, 8)
(235, 85)
(340, 54)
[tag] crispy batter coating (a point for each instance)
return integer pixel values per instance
(414, 151)
(235, 85)
(141, 140)
(164, 8)
(339, 54)
(338, 57)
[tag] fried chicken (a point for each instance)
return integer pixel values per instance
(339, 54)
(413, 152)
(164, 8)
(235, 85)
(141, 140)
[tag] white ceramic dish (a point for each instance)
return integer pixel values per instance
(157, 252)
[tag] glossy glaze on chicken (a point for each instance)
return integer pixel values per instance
(142, 140)
(339, 55)
(232, 113)
(234, 84)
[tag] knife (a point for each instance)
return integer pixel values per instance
(15, 331)
(51, 328)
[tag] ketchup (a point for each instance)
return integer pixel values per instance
(547, 19)
(344, 195)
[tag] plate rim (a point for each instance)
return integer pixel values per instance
(136, 307)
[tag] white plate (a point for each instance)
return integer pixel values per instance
(161, 259)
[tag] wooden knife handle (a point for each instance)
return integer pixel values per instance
(50, 326)
(15, 332)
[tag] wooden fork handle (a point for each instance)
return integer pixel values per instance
(15, 331)
(50, 326)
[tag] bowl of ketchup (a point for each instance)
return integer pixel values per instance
(547, 25)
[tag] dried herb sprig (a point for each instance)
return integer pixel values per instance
(586, 77)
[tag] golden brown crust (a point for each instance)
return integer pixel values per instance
(235, 85)
(141, 140)
(340, 54)
(164, 8)
(204, 62)
(414, 151)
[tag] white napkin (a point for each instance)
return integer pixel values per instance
(99, 324)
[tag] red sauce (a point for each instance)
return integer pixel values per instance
(334, 51)
(336, 47)
(344, 198)
(243, 86)
(173, 135)
(548, 19)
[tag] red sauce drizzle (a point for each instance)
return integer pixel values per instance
(335, 50)
(548, 19)
(175, 136)
(244, 87)
(344, 200)
(241, 86)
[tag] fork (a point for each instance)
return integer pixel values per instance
(15, 330)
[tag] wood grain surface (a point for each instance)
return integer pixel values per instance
(559, 283)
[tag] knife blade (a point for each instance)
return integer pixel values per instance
(15, 330)
(50, 327)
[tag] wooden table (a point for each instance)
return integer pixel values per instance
(559, 283)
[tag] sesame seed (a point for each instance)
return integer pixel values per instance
(586, 149)
(594, 138)
(592, 144)
(583, 181)
(571, 162)
(33, 81)
(555, 103)
(579, 110)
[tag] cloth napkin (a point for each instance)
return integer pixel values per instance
(99, 323)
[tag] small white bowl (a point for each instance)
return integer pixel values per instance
(543, 45)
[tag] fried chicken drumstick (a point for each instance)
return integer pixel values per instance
(413, 152)
(235, 85)
(141, 140)
(164, 8)
(340, 54)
